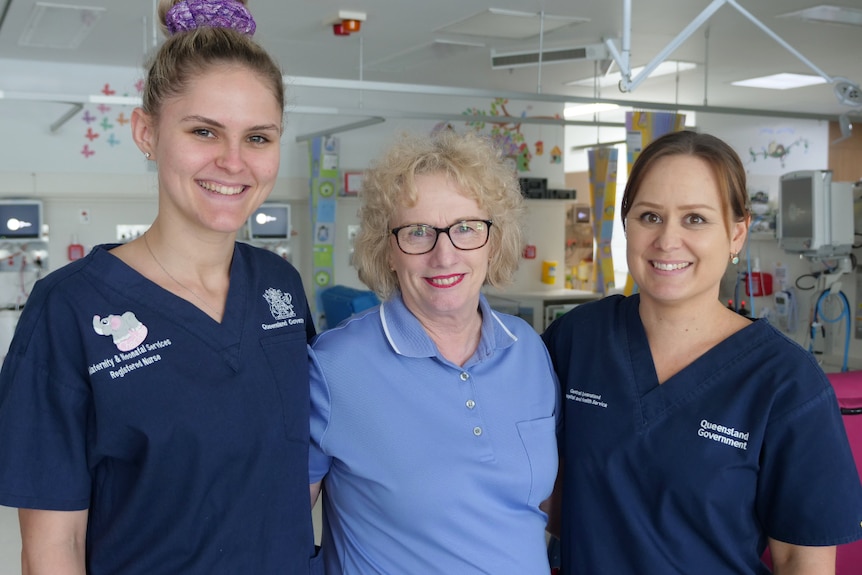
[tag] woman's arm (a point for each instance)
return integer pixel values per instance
(52, 542)
(790, 559)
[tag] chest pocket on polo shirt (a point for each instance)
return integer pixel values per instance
(538, 437)
(287, 357)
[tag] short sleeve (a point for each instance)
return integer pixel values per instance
(44, 407)
(809, 491)
(318, 460)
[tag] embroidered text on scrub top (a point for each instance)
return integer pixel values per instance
(723, 434)
(586, 397)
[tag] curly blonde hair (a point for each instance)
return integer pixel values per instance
(480, 172)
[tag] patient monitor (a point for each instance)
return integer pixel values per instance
(815, 214)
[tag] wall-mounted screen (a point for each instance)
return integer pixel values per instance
(20, 219)
(270, 222)
(815, 214)
(799, 192)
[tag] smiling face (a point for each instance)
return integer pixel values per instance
(218, 149)
(677, 240)
(444, 283)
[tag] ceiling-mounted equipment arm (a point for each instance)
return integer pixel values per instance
(623, 60)
(628, 84)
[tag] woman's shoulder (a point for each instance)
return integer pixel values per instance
(597, 313)
(98, 263)
(765, 336)
(361, 326)
(266, 264)
(513, 323)
(791, 374)
(259, 255)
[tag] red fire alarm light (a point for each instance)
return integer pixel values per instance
(346, 22)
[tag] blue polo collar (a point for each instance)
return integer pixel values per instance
(407, 337)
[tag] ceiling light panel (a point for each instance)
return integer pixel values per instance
(575, 110)
(783, 81)
(421, 55)
(828, 14)
(509, 24)
(59, 26)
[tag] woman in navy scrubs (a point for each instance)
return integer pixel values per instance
(694, 437)
(154, 401)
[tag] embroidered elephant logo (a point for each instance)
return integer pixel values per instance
(126, 330)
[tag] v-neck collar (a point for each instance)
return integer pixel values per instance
(656, 400)
(224, 337)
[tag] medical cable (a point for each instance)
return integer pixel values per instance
(844, 315)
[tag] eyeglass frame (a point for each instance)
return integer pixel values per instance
(438, 232)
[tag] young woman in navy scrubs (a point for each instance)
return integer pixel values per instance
(154, 402)
(694, 437)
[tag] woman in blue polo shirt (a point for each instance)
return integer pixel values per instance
(154, 401)
(694, 437)
(433, 416)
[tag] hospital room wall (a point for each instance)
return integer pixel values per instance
(770, 148)
(89, 164)
(114, 185)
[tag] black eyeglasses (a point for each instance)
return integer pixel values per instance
(418, 239)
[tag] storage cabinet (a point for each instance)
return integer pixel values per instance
(539, 308)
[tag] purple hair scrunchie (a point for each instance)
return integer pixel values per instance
(190, 14)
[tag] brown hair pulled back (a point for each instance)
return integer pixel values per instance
(724, 161)
(187, 55)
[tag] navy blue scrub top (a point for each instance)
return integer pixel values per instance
(187, 439)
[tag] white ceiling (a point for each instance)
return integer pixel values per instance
(399, 43)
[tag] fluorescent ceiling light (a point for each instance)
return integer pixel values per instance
(511, 24)
(828, 14)
(613, 78)
(781, 81)
(575, 110)
(59, 26)
(416, 56)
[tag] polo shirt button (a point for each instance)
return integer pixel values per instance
(465, 376)
(477, 431)
(471, 404)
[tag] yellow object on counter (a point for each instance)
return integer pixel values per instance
(549, 272)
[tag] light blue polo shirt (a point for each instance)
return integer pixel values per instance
(432, 467)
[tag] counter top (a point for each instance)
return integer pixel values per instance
(554, 294)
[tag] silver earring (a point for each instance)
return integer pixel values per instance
(147, 155)
(734, 259)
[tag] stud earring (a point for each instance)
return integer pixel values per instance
(734, 259)
(147, 155)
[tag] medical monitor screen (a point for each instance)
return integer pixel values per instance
(270, 222)
(797, 217)
(20, 219)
